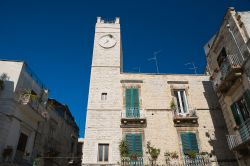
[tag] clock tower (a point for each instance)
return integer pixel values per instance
(107, 44)
(102, 129)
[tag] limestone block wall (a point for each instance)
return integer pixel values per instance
(160, 131)
(105, 80)
(102, 126)
(156, 94)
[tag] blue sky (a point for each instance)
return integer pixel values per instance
(56, 38)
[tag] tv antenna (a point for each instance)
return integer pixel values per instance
(194, 68)
(155, 59)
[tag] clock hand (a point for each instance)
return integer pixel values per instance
(106, 41)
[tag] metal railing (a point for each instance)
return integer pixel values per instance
(132, 113)
(199, 160)
(243, 136)
(127, 161)
(32, 102)
(191, 113)
(231, 61)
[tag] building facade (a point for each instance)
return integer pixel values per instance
(228, 63)
(19, 122)
(58, 136)
(30, 125)
(177, 113)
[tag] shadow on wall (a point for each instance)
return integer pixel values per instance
(6, 93)
(218, 137)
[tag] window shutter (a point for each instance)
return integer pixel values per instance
(136, 102)
(193, 141)
(235, 113)
(128, 102)
(129, 139)
(134, 142)
(189, 142)
(247, 98)
(138, 143)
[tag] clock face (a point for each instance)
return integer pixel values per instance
(107, 41)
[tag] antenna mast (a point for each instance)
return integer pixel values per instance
(193, 67)
(155, 59)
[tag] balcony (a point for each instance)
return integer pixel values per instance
(52, 147)
(189, 119)
(198, 160)
(230, 71)
(127, 161)
(133, 118)
(240, 142)
(31, 101)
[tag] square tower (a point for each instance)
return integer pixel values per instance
(104, 101)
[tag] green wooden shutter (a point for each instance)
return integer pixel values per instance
(247, 98)
(129, 139)
(193, 141)
(128, 103)
(138, 144)
(236, 114)
(189, 142)
(136, 103)
(132, 102)
(134, 142)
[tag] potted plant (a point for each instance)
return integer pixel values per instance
(153, 152)
(171, 157)
(191, 154)
(172, 105)
(27, 95)
(174, 155)
(133, 156)
(193, 113)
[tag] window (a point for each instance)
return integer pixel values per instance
(222, 57)
(189, 142)
(241, 108)
(22, 142)
(181, 98)
(104, 96)
(103, 152)
(132, 102)
(134, 142)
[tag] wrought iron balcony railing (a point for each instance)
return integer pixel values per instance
(191, 113)
(189, 119)
(127, 161)
(229, 71)
(199, 160)
(133, 113)
(243, 137)
(133, 117)
(32, 102)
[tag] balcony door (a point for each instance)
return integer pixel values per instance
(181, 98)
(134, 142)
(132, 103)
(241, 113)
(241, 109)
